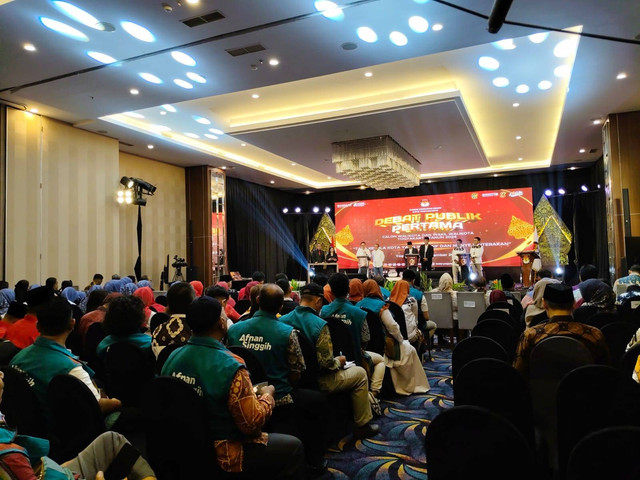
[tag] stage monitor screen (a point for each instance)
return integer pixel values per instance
(503, 219)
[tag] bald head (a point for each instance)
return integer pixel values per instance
(271, 298)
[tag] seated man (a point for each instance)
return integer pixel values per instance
(48, 357)
(558, 302)
(222, 296)
(333, 378)
(424, 324)
(632, 279)
(175, 330)
(24, 332)
(122, 323)
(289, 304)
(299, 412)
(354, 318)
(237, 413)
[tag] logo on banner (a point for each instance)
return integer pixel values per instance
(425, 202)
(474, 196)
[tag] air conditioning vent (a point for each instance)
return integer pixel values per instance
(236, 52)
(202, 19)
(125, 144)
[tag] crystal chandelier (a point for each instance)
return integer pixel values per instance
(378, 162)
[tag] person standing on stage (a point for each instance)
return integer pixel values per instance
(363, 256)
(457, 260)
(426, 255)
(378, 259)
(332, 256)
(317, 256)
(411, 250)
(476, 252)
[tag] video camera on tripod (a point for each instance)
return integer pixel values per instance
(178, 264)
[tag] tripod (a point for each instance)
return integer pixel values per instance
(177, 277)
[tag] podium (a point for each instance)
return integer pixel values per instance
(322, 267)
(526, 262)
(411, 261)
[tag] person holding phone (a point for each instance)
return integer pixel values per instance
(238, 413)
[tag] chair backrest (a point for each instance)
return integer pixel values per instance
(470, 306)
(497, 330)
(628, 361)
(610, 453)
(76, 416)
(309, 378)
(341, 339)
(617, 335)
(376, 332)
(7, 351)
(20, 404)
(398, 316)
(177, 430)
(95, 334)
(472, 442)
(600, 319)
(498, 387)
(629, 311)
(256, 369)
(242, 306)
(582, 411)
(472, 348)
(128, 368)
(584, 312)
(514, 309)
(440, 308)
(517, 295)
(550, 361)
(620, 288)
(164, 355)
(156, 320)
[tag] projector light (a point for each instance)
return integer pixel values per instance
(285, 210)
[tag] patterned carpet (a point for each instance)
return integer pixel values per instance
(398, 452)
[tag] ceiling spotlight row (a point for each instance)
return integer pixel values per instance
(561, 191)
(315, 209)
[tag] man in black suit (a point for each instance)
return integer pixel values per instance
(411, 250)
(426, 254)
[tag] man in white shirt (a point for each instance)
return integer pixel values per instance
(476, 256)
(378, 259)
(363, 256)
(457, 260)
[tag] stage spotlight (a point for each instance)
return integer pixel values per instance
(561, 191)
(285, 210)
(327, 209)
(559, 271)
(316, 209)
(127, 182)
(473, 276)
(297, 210)
(548, 192)
(584, 188)
(312, 273)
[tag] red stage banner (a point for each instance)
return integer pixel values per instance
(503, 219)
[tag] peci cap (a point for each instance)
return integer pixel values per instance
(312, 289)
(558, 293)
(38, 296)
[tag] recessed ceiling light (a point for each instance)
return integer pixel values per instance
(620, 76)
(418, 24)
(562, 191)
(506, 44)
(572, 168)
(255, 95)
(274, 62)
(162, 112)
(63, 29)
(272, 182)
(212, 137)
(159, 128)
(223, 167)
(519, 159)
(169, 108)
(202, 120)
(192, 135)
(29, 47)
(243, 144)
(134, 91)
(436, 27)
(182, 83)
(183, 58)
(193, 2)
(138, 31)
(522, 88)
(548, 192)
(544, 85)
(150, 147)
(596, 121)
(293, 164)
(518, 137)
(149, 77)
(363, 187)
(77, 14)
(34, 110)
(367, 34)
(133, 114)
(539, 37)
(329, 10)
(488, 63)
(582, 150)
(101, 57)
(584, 188)
(564, 48)
(501, 81)
(368, 74)
(495, 174)
(516, 105)
(562, 71)
(398, 38)
(217, 131)
(421, 1)
(196, 77)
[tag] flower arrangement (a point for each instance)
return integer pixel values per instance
(295, 285)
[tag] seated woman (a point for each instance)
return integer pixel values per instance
(445, 285)
(407, 373)
(535, 313)
(122, 323)
(355, 290)
(332, 256)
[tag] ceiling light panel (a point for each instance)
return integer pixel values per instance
(64, 29)
(183, 58)
(77, 14)
(138, 31)
(101, 57)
